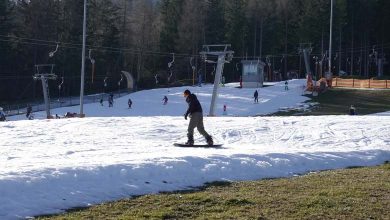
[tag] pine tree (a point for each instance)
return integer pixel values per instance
(236, 25)
(215, 22)
(6, 24)
(191, 26)
(170, 16)
(144, 28)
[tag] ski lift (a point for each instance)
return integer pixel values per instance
(93, 64)
(193, 70)
(281, 60)
(203, 57)
(62, 82)
(192, 64)
(156, 78)
(51, 54)
(336, 56)
(268, 60)
(169, 77)
(105, 83)
(316, 59)
(170, 64)
(323, 57)
(119, 84)
(59, 88)
(212, 73)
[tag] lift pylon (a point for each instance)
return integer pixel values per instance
(44, 77)
(224, 55)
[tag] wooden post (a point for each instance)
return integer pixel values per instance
(353, 82)
(369, 81)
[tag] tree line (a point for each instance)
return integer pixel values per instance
(143, 36)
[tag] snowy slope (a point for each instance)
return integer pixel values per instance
(47, 166)
(239, 102)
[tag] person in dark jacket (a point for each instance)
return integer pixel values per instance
(111, 100)
(165, 99)
(195, 113)
(2, 114)
(29, 111)
(129, 103)
(256, 96)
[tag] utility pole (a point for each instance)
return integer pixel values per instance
(340, 53)
(83, 60)
(224, 56)
(352, 36)
(305, 49)
(330, 42)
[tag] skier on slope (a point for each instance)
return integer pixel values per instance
(2, 114)
(165, 99)
(111, 100)
(195, 113)
(129, 103)
(256, 96)
(28, 112)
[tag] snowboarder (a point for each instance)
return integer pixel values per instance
(101, 101)
(129, 102)
(224, 110)
(2, 114)
(165, 99)
(28, 112)
(352, 110)
(195, 113)
(256, 96)
(286, 85)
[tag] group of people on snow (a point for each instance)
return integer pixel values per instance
(129, 101)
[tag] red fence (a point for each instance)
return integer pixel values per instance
(361, 83)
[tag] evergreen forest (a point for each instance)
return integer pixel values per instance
(162, 39)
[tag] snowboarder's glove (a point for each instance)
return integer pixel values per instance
(185, 116)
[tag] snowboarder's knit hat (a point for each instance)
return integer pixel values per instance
(187, 92)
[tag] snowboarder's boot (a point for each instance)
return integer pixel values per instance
(190, 140)
(209, 140)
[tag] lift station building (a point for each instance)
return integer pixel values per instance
(252, 73)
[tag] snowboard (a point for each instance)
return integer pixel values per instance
(198, 145)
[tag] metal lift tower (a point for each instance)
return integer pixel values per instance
(44, 77)
(224, 55)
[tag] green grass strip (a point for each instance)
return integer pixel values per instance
(356, 193)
